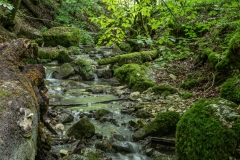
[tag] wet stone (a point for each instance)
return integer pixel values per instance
(124, 147)
(143, 114)
(119, 137)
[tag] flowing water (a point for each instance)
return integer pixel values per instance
(82, 101)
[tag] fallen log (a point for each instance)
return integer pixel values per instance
(162, 141)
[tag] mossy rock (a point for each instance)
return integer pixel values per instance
(65, 71)
(84, 69)
(164, 123)
(134, 76)
(160, 89)
(101, 113)
(136, 47)
(135, 57)
(213, 58)
(231, 56)
(126, 47)
(230, 89)
(63, 36)
(93, 154)
(187, 95)
(83, 128)
(59, 54)
(74, 157)
(223, 65)
(192, 83)
(208, 131)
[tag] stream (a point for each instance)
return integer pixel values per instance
(83, 99)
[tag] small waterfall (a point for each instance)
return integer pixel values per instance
(49, 75)
(95, 77)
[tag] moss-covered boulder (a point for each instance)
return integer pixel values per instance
(83, 68)
(126, 47)
(160, 89)
(208, 130)
(65, 71)
(164, 123)
(60, 54)
(134, 75)
(102, 113)
(230, 89)
(83, 128)
(135, 57)
(63, 36)
(231, 57)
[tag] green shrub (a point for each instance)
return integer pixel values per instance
(86, 38)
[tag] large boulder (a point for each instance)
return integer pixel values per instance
(208, 130)
(82, 129)
(83, 68)
(65, 71)
(63, 36)
(164, 123)
(134, 75)
(21, 95)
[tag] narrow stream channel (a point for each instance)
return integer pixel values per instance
(63, 94)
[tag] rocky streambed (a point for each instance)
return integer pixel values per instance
(98, 118)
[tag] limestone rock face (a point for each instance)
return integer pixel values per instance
(21, 97)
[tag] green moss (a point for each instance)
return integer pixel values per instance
(3, 93)
(64, 36)
(135, 57)
(74, 50)
(231, 57)
(213, 58)
(39, 41)
(201, 135)
(223, 65)
(234, 43)
(230, 89)
(134, 76)
(159, 89)
(84, 68)
(164, 123)
(126, 47)
(83, 128)
(61, 55)
(191, 83)
(187, 95)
